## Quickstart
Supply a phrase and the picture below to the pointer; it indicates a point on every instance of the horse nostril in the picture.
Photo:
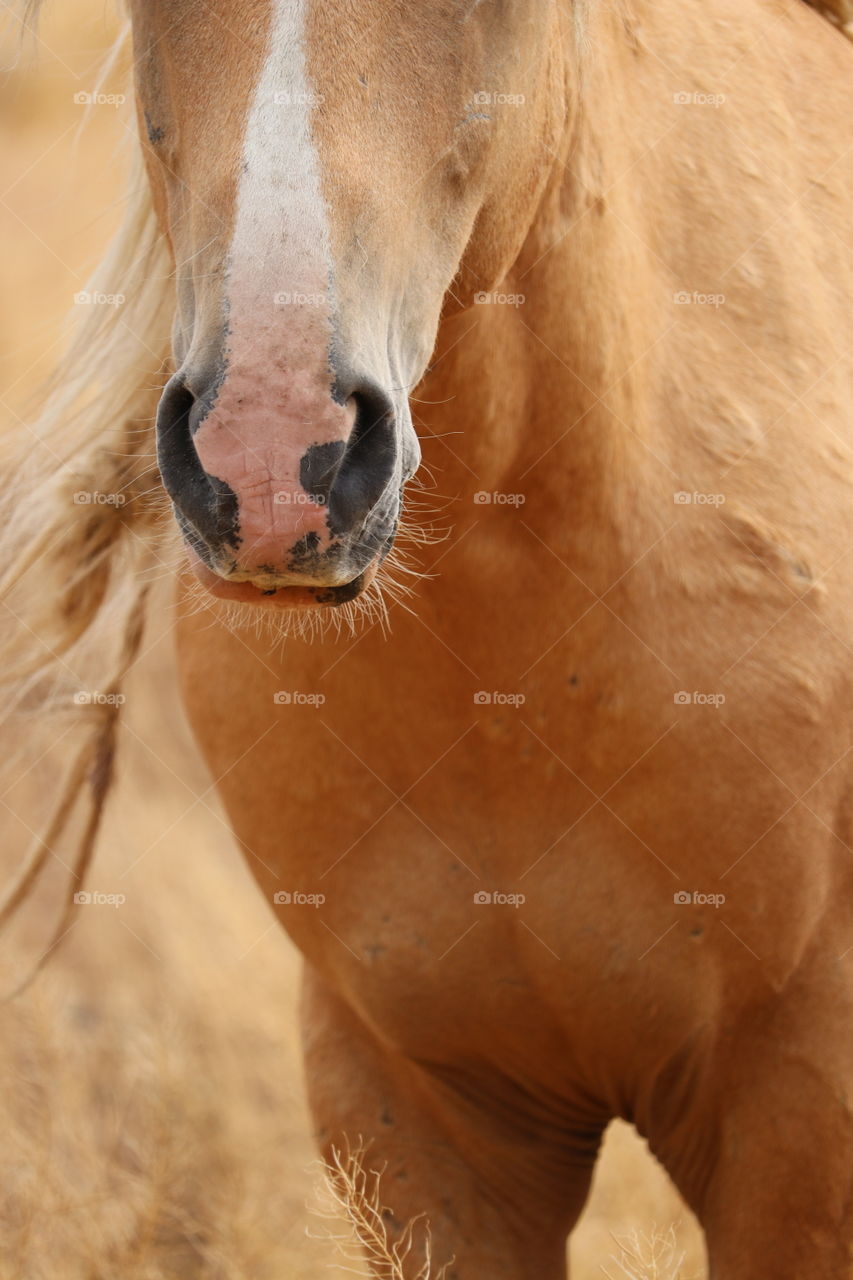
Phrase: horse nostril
(366, 463)
(207, 503)
(176, 405)
(175, 453)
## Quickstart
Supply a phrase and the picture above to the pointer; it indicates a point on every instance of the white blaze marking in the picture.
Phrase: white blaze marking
(281, 234)
(275, 401)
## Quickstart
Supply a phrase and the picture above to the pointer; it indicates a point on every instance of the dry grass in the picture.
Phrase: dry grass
(641, 1256)
(151, 1099)
(350, 1200)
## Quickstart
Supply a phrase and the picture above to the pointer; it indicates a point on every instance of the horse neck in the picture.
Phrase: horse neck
(546, 391)
(598, 397)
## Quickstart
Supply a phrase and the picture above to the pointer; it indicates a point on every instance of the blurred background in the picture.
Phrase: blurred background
(152, 1121)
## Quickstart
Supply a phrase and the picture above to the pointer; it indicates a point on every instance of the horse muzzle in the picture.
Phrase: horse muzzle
(292, 502)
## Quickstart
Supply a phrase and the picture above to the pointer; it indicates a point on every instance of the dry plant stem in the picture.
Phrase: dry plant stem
(352, 1192)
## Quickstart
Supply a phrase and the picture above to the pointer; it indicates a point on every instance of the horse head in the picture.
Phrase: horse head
(330, 176)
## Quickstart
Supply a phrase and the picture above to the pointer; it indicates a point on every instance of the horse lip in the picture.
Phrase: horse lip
(270, 581)
(269, 589)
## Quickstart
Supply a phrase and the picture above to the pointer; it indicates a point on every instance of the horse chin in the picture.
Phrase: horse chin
(287, 597)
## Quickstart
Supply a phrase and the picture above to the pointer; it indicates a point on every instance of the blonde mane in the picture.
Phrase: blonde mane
(85, 523)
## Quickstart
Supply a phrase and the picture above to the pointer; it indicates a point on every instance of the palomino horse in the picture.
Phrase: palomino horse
(573, 842)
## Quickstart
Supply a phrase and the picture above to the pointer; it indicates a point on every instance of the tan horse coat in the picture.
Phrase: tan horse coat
(625, 681)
